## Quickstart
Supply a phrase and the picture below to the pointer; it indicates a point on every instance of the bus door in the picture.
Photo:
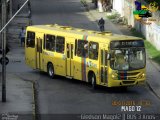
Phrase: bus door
(39, 39)
(69, 60)
(103, 66)
(30, 50)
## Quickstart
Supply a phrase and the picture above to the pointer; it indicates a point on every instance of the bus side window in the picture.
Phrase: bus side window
(75, 47)
(106, 55)
(60, 43)
(44, 43)
(82, 50)
(30, 39)
(50, 42)
(93, 50)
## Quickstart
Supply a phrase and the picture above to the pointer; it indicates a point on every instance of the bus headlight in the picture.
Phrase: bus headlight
(114, 76)
(142, 76)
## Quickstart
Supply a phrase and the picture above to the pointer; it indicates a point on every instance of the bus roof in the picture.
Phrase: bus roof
(70, 31)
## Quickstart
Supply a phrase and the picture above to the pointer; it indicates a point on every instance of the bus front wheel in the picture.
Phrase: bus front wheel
(50, 70)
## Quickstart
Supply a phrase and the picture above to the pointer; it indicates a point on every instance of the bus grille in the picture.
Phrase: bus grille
(128, 82)
(133, 74)
(128, 76)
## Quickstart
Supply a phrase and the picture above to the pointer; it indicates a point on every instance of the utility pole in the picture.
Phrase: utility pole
(3, 31)
(3, 52)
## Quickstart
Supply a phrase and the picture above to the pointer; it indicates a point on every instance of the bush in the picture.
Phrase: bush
(111, 16)
(154, 54)
(114, 15)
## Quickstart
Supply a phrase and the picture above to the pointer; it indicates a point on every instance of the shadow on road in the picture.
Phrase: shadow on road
(85, 85)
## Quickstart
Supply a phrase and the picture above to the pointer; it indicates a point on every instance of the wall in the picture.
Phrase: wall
(151, 32)
(128, 11)
(118, 5)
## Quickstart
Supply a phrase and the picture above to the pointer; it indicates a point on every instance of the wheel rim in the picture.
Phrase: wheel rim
(50, 71)
(93, 81)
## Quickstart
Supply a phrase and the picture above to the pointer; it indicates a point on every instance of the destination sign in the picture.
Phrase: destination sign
(126, 43)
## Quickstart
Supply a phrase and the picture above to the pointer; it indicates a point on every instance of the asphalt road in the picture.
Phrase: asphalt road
(65, 96)
(63, 12)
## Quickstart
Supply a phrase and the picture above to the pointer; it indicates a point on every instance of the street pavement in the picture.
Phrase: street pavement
(63, 96)
(19, 103)
(53, 13)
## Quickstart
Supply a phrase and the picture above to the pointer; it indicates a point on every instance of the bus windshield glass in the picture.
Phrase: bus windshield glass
(128, 58)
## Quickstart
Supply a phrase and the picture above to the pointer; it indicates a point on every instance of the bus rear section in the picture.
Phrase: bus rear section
(127, 63)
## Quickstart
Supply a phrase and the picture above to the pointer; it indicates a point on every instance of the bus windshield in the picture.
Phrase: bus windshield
(127, 59)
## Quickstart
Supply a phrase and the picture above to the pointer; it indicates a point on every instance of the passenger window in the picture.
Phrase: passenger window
(75, 52)
(44, 44)
(30, 39)
(60, 42)
(82, 50)
(106, 60)
(93, 50)
(50, 42)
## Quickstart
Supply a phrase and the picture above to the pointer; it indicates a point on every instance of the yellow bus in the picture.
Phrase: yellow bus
(100, 58)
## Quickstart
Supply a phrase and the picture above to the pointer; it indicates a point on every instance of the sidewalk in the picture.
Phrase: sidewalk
(153, 69)
(19, 93)
(19, 98)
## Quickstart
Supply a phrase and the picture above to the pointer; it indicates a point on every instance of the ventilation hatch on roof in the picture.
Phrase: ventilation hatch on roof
(104, 33)
(80, 30)
(90, 31)
(66, 27)
(52, 25)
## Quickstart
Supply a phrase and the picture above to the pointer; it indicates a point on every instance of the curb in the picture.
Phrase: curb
(90, 14)
(94, 19)
(152, 90)
(154, 64)
(35, 107)
(150, 87)
(35, 99)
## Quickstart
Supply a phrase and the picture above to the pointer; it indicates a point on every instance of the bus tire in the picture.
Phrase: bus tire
(50, 70)
(93, 80)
